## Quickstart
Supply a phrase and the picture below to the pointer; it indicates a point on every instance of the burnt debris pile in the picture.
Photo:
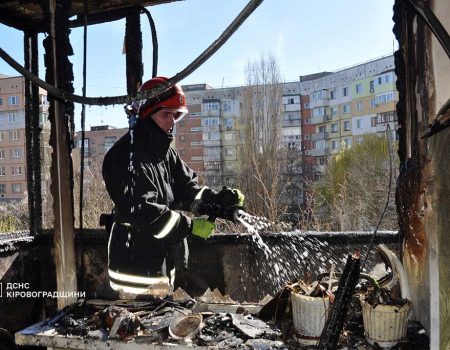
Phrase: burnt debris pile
(170, 321)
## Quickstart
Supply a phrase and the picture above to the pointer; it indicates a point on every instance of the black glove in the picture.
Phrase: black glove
(228, 197)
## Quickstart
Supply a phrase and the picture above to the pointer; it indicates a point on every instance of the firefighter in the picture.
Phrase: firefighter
(148, 183)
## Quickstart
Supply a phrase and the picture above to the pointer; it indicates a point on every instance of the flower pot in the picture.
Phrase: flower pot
(309, 314)
(385, 324)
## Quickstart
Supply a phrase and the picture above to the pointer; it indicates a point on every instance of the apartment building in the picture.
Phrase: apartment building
(208, 138)
(345, 105)
(13, 165)
(97, 142)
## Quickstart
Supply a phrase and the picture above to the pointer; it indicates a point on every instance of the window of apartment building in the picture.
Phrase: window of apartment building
(358, 123)
(13, 100)
(16, 153)
(2, 154)
(346, 108)
(1, 118)
(322, 161)
(12, 118)
(181, 124)
(347, 125)
(211, 106)
(334, 127)
(319, 144)
(211, 121)
(16, 170)
(348, 142)
(211, 136)
(373, 121)
(1, 101)
(371, 86)
(228, 137)
(334, 111)
(373, 103)
(2, 188)
(109, 142)
(229, 151)
(196, 129)
(14, 135)
(16, 188)
(380, 80)
(197, 158)
(359, 139)
(86, 143)
(306, 105)
(334, 144)
(384, 98)
(359, 88)
(2, 171)
(196, 143)
(332, 94)
(182, 138)
(228, 122)
(345, 91)
(359, 105)
(386, 117)
(318, 111)
(1, 136)
(183, 152)
(322, 129)
(211, 151)
(226, 106)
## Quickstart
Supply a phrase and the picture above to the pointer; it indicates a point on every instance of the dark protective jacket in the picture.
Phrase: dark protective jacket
(147, 181)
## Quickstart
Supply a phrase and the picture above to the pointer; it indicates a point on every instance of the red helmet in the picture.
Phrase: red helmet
(173, 98)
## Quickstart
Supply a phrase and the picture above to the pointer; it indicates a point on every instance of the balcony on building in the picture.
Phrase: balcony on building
(210, 108)
(318, 152)
(290, 123)
(320, 98)
(209, 113)
(319, 136)
(210, 128)
(211, 143)
(319, 120)
(294, 107)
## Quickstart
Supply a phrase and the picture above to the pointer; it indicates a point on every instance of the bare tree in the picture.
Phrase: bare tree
(95, 197)
(261, 158)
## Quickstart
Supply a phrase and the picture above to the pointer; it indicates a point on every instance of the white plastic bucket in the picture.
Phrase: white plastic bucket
(385, 324)
(310, 315)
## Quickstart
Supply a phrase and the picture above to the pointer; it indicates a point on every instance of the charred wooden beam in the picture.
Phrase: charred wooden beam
(59, 72)
(101, 17)
(32, 132)
(347, 283)
(28, 15)
(133, 47)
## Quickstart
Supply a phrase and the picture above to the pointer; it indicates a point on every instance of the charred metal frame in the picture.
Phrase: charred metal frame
(133, 46)
(59, 72)
(338, 311)
(32, 132)
(411, 181)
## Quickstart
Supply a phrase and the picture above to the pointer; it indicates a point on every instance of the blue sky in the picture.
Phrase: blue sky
(305, 36)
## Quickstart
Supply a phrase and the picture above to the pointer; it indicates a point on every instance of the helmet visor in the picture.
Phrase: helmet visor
(181, 112)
